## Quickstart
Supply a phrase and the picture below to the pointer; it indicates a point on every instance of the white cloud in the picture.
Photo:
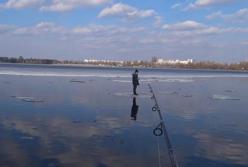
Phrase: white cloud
(96, 30)
(235, 30)
(18, 4)
(195, 31)
(239, 16)
(83, 30)
(192, 29)
(176, 5)
(41, 28)
(185, 25)
(106, 34)
(180, 29)
(188, 37)
(206, 3)
(158, 21)
(127, 11)
(172, 32)
(48, 28)
(66, 5)
(214, 15)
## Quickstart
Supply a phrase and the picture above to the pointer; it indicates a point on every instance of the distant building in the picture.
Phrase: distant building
(102, 61)
(162, 61)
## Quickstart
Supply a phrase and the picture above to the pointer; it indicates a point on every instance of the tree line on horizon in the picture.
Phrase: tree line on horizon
(195, 65)
(27, 61)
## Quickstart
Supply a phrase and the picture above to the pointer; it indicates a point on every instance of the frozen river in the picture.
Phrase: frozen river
(72, 116)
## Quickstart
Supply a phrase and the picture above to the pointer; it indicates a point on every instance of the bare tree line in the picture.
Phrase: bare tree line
(195, 65)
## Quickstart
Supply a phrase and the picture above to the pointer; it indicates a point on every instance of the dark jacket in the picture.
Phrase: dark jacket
(135, 79)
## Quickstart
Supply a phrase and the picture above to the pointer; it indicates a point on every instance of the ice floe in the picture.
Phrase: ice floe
(187, 95)
(122, 81)
(224, 97)
(77, 81)
(176, 80)
(27, 138)
(28, 99)
(129, 94)
(157, 80)
(163, 77)
(169, 93)
(229, 91)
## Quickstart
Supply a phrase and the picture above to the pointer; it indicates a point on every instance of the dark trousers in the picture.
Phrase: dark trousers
(134, 88)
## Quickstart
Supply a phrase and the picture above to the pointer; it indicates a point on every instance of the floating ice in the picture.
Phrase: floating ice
(59, 74)
(187, 95)
(166, 77)
(122, 81)
(223, 97)
(148, 80)
(169, 93)
(28, 99)
(229, 91)
(176, 80)
(27, 138)
(141, 80)
(157, 80)
(77, 81)
(76, 121)
(129, 94)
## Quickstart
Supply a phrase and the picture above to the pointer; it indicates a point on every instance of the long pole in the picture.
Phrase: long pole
(164, 130)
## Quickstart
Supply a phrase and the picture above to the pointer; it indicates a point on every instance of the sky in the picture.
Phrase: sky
(203, 30)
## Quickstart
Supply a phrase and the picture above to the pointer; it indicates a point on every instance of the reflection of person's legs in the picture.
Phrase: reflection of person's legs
(134, 110)
(134, 89)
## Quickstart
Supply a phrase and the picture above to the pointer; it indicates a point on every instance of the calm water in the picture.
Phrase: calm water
(61, 116)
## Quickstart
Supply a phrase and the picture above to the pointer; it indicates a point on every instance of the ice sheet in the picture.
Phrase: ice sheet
(129, 94)
(224, 97)
(28, 99)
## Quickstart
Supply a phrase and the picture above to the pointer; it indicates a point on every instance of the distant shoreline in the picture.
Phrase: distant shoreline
(154, 63)
(125, 67)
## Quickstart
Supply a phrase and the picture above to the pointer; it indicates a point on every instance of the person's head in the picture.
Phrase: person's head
(136, 71)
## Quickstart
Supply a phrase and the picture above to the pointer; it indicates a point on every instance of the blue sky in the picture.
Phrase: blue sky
(215, 30)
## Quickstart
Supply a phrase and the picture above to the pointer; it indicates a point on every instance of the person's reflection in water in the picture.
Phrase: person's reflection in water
(134, 110)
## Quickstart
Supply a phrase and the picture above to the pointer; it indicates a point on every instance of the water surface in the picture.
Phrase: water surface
(82, 117)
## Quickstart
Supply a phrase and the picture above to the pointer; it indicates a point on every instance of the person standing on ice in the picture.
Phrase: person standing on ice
(135, 79)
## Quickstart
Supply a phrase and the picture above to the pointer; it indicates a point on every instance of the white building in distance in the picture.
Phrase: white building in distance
(101, 61)
(162, 61)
